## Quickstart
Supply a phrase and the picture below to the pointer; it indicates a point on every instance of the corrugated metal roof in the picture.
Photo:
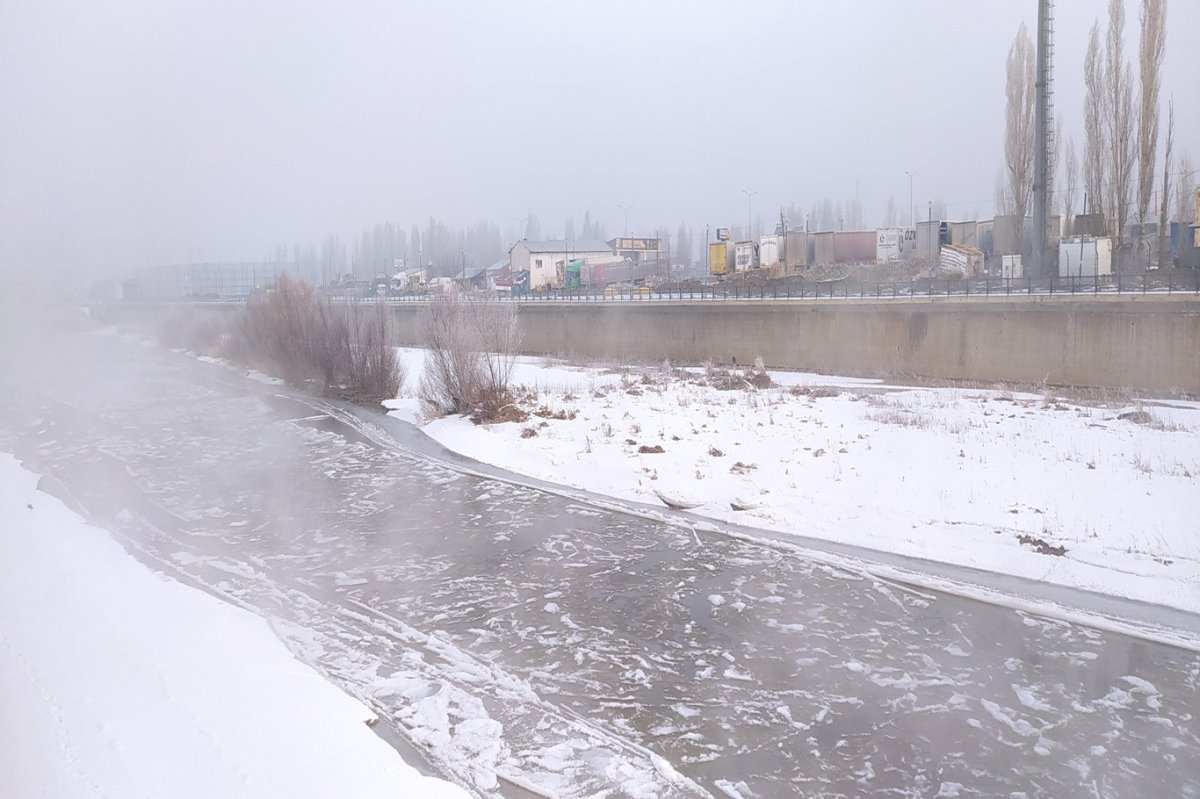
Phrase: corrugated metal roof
(559, 245)
(470, 273)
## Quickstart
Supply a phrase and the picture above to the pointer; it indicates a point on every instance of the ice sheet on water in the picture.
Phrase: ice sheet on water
(1018, 725)
(1029, 698)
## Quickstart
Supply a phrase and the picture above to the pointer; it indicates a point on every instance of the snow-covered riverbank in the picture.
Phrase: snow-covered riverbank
(120, 682)
(1086, 495)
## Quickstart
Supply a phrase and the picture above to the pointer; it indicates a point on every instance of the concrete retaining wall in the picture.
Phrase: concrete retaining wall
(1140, 343)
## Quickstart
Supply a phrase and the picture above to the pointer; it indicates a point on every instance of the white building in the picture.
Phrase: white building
(546, 261)
(1085, 256)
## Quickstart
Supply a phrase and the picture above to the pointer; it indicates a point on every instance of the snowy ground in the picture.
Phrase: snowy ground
(119, 682)
(987, 478)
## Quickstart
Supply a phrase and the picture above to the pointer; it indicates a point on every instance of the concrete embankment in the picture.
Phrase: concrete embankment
(1147, 343)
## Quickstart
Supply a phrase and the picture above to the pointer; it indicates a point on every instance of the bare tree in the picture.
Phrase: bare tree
(1095, 145)
(1150, 58)
(1071, 185)
(1122, 138)
(1184, 207)
(472, 348)
(1165, 201)
(1000, 190)
(1019, 123)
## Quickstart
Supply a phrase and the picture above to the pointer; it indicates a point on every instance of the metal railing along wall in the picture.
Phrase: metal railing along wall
(1173, 282)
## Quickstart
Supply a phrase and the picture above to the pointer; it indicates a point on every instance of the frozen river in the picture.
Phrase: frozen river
(522, 640)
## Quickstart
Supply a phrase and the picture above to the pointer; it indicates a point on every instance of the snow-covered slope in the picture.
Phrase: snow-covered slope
(115, 681)
(985, 478)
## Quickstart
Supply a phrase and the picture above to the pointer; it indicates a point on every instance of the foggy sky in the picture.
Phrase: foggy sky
(153, 131)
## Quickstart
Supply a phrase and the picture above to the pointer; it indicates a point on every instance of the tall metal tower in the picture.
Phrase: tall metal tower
(1043, 176)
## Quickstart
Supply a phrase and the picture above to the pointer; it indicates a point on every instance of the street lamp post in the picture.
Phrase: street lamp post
(626, 209)
(911, 218)
(931, 234)
(749, 212)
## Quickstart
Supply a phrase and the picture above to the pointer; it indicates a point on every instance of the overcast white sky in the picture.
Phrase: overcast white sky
(154, 131)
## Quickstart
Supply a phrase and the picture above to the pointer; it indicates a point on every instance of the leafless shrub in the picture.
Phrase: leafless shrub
(761, 380)
(328, 340)
(293, 332)
(1154, 422)
(715, 453)
(473, 348)
(654, 450)
(561, 415)
(275, 330)
(374, 371)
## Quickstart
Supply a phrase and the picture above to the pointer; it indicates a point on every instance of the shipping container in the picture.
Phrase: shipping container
(887, 245)
(854, 247)
(1085, 256)
(821, 248)
(768, 251)
(720, 258)
(745, 256)
(928, 240)
(964, 234)
(795, 250)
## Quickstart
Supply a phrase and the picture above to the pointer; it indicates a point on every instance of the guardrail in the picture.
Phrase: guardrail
(1172, 282)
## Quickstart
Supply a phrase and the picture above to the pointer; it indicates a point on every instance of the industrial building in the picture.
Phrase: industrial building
(546, 260)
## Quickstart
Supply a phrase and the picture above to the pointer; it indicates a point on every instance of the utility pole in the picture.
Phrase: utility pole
(931, 236)
(749, 213)
(707, 257)
(911, 217)
(1043, 135)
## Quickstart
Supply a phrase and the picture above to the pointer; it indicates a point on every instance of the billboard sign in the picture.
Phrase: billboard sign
(722, 234)
(638, 244)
